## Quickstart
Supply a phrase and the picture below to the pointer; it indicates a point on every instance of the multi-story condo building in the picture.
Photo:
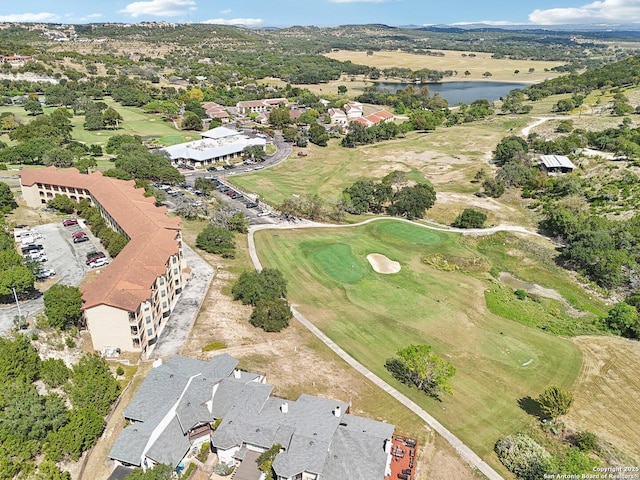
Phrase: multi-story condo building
(127, 305)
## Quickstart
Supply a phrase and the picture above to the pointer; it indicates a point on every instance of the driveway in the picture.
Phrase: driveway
(177, 327)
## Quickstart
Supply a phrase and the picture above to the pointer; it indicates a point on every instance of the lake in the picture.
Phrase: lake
(461, 92)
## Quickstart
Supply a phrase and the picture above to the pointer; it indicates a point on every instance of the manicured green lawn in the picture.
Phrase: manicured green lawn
(135, 122)
(372, 315)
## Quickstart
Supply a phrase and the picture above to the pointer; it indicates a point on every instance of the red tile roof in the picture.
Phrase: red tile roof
(129, 278)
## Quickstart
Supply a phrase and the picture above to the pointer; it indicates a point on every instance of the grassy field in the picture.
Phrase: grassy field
(370, 315)
(135, 122)
(449, 158)
(501, 69)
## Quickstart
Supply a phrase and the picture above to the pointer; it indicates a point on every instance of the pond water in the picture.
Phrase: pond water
(461, 92)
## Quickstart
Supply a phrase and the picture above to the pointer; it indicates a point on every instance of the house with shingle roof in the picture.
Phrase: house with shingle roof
(180, 400)
(127, 305)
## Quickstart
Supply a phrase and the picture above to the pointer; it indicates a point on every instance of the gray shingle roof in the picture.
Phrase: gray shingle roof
(160, 392)
(171, 446)
(314, 439)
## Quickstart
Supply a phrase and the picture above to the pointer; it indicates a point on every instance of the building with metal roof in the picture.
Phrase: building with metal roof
(219, 144)
(554, 164)
(176, 405)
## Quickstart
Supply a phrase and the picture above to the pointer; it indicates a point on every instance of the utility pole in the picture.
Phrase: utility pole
(15, 295)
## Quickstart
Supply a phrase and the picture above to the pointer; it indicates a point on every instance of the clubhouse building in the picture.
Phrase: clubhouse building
(220, 144)
(127, 305)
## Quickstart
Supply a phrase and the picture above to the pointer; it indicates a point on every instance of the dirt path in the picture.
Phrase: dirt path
(540, 120)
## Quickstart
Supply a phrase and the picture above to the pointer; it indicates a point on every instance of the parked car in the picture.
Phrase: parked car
(81, 239)
(264, 213)
(95, 256)
(70, 221)
(78, 234)
(45, 273)
(31, 248)
(303, 154)
(236, 195)
(99, 262)
(230, 192)
(252, 205)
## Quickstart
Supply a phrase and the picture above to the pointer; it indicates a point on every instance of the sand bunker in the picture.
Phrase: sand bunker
(382, 264)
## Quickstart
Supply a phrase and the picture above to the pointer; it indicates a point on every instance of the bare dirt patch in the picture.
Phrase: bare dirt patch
(607, 391)
(382, 264)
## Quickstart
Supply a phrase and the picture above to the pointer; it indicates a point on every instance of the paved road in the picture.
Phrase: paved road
(465, 452)
(179, 323)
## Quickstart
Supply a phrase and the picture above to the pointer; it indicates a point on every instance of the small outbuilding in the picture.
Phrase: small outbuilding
(555, 164)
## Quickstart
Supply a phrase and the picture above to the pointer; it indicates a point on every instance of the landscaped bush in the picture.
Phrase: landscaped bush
(523, 456)
(470, 218)
(217, 240)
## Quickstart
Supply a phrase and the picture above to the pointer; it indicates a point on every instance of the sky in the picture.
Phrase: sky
(282, 13)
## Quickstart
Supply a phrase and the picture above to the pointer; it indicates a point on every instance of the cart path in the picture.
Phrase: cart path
(464, 451)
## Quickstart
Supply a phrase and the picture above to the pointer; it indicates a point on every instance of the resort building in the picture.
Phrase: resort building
(220, 144)
(184, 402)
(260, 106)
(127, 305)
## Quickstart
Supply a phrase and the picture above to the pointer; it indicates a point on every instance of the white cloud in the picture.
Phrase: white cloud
(249, 22)
(29, 17)
(605, 11)
(226, 11)
(160, 8)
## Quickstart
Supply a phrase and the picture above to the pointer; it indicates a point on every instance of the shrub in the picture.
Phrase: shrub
(217, 240)
(470, 218)
(271, 315)
(523, 456)
(586, 441)
(520, 294)
(119, 371)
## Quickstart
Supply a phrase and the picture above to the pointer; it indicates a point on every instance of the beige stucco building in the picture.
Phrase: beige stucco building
(127, 305)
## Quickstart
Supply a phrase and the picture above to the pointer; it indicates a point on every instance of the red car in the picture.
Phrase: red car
(78, 235)
(70, 221)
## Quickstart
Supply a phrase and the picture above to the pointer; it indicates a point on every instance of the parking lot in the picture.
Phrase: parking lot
(66, 258)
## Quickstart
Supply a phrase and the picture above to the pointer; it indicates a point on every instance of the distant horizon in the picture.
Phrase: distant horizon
(331, 13)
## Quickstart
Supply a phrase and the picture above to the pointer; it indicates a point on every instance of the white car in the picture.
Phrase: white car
(100, 262)
(264, 213)
(45, 273)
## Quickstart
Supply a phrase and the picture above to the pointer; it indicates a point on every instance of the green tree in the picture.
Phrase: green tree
(19, 277)
(92, 385)
(159, 472)
(191, 121)
(111, 118)
(252, 286)
(419, 366)
(493, 187)
(7, 200)
(555, 401)
(62, 203)
(58, 157)
(33, 107)
(623, 319)
(238, 223)
(342, 89)
(19, 360)
(279, 117)
(470, 218)
(48, 470)
(77, 436)
(523, 456)
(271, 315)
(318, 135)
(63, 306)
(424, 119)
(412, 202)
(217, 240)
(54, 372)
(509, 148)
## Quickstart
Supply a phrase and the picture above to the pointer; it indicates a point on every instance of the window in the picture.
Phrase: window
(164, 304)
(163, 293)
(148, 319)
(149, 332)
(175, 271)
(175, 260)
(161, 280)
